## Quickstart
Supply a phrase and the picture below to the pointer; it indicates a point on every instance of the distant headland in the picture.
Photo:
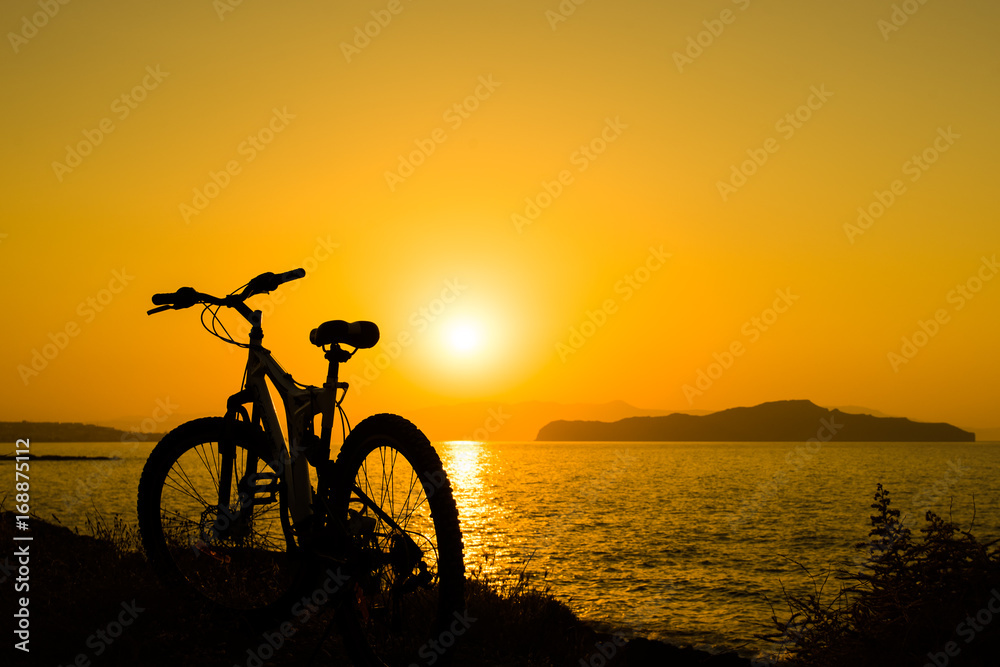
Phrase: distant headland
(70, 432)
(778, 421)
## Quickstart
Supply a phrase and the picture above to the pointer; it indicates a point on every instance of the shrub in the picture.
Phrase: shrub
(915, 601)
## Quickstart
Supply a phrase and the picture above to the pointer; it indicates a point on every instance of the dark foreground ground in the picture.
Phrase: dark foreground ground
(82, 588)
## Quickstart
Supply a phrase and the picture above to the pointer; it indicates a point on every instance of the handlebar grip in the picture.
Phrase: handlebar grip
(268, 282)
(294, 274)
(263, 283)
(185, 297)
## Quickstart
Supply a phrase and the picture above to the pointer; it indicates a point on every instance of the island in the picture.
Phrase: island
(776, 421)
(70, 432)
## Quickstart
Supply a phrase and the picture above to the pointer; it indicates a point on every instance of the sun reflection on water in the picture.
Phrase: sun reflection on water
(464, 464)
(476, 473)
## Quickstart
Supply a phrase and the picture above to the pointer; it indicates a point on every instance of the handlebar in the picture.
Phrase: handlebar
(186, 297)
(267, 282)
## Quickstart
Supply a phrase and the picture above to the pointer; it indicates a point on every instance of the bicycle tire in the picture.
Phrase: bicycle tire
(382, 623)
(234, 559)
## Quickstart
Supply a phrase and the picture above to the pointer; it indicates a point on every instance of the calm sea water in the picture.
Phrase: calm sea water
(677, 541)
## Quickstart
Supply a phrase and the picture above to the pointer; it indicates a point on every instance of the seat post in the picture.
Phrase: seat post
(335, 355)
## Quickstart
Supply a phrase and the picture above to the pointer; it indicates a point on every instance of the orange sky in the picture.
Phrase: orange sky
(652, 176)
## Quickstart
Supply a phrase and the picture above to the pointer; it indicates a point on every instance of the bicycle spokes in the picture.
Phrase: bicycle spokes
(221, 521)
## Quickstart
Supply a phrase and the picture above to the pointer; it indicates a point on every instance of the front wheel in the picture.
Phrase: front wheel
(394, 502)
(210, 515)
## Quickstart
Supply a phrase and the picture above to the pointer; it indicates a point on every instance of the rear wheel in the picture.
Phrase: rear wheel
(229, 547)
(394, 503)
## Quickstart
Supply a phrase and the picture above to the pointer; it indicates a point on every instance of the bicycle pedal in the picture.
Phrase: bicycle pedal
(270, 487)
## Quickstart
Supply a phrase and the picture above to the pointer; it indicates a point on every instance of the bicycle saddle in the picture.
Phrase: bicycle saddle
(361, 335)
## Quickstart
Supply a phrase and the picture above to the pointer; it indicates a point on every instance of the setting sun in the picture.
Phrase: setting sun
(464, 337)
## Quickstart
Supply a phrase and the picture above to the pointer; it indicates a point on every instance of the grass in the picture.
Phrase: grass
(915, 601)
(520, 620)
(80, 582)
(123, 537)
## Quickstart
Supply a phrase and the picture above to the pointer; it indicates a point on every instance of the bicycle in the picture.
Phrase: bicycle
(227, 506)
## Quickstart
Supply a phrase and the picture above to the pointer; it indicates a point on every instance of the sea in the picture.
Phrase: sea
(690, 543)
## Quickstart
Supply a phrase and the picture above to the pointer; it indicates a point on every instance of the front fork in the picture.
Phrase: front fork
(249, 487)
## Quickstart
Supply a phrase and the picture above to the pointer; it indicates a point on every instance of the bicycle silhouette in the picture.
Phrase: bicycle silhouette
(232, 511)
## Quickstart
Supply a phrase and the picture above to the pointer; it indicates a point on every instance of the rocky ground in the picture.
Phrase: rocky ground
(95, 601)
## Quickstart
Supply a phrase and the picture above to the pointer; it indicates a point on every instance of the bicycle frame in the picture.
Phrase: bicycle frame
(302, 404)
(230, 508)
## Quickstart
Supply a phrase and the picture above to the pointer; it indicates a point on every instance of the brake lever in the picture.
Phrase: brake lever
(158, 310)
(265, 283)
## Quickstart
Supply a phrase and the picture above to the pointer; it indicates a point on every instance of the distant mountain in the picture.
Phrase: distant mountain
(858, 410)
(779, 421)
(69, 432)
(982, 434)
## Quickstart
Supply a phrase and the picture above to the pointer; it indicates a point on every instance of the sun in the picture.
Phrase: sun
(464, 337)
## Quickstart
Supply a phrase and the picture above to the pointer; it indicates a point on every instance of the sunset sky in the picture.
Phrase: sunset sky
(548, 201)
